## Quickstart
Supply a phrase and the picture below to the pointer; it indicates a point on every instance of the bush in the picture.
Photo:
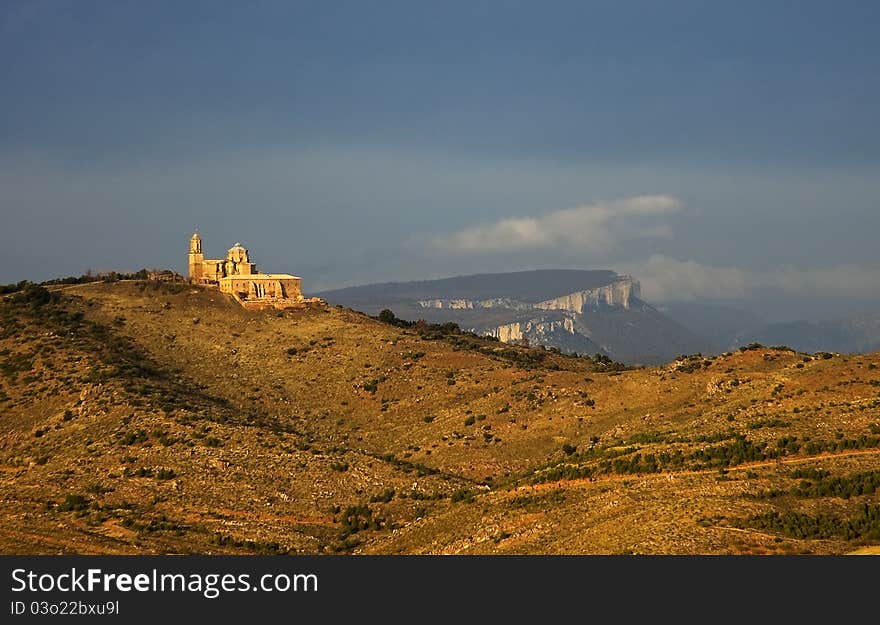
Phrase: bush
(359, 518)
(462, 495)
(134, 437)
(74, 503)
(383, 497)
(34, 296)
(751, 347)
(373, 385)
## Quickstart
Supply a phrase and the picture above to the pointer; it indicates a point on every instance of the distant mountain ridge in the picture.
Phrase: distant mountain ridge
(857, 335)
(730, 328)
(573, 310)
(527, 286)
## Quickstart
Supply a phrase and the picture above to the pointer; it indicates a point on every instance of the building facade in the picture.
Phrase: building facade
(239, 277)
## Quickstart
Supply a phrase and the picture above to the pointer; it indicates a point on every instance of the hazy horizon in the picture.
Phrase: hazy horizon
(720, 154)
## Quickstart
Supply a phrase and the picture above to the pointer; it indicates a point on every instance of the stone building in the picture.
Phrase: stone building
(238, 276)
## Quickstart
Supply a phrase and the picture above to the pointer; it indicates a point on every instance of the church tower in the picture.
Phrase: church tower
(196, 258)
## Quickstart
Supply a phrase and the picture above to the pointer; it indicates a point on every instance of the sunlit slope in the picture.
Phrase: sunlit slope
(141, 418)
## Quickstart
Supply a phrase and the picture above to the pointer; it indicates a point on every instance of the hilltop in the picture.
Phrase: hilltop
(145, 417)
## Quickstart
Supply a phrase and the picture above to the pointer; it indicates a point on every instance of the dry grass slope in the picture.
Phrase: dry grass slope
(140, 417)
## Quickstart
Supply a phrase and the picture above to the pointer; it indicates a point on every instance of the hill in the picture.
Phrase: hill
(575, 311)
(142, 417)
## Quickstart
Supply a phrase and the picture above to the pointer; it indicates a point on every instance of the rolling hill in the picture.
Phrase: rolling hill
(143, 417)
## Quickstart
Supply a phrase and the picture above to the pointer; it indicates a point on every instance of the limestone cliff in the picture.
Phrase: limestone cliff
(621, 292)
(532, 328)
(467, 304)
(582, 311)
(618, 293)
(550, 330)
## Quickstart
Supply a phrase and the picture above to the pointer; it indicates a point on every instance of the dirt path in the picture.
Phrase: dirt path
(212, 515)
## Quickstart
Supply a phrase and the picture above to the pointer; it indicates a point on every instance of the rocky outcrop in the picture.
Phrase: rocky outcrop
(610, 318)
(532, 329)
(572, 310)
(620, 293)
(507, 333)
(466, 304)
(561, 333)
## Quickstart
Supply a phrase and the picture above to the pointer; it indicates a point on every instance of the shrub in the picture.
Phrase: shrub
(358, 518)
(462, 495)
(751, 347)
(74, 503)
(134, 437)
(383, 497)
(165, 474)
(373, 385)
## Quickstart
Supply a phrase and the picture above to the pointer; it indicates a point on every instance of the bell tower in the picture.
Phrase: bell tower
(196, 258)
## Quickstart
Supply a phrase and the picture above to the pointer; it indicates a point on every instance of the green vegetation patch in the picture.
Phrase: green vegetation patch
(817, 483)
(865, 525)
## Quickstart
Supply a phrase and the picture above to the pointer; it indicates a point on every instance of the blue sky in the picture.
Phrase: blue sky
(351, 142)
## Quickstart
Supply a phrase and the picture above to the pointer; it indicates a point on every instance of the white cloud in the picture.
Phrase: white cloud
(592, 228)
(668, 279)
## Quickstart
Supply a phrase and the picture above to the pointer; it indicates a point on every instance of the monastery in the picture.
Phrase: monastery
(238, 276)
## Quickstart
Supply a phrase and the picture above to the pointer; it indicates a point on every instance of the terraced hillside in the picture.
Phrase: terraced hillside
(140, 417)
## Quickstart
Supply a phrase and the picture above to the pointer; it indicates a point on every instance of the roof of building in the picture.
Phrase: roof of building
(262, 276)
